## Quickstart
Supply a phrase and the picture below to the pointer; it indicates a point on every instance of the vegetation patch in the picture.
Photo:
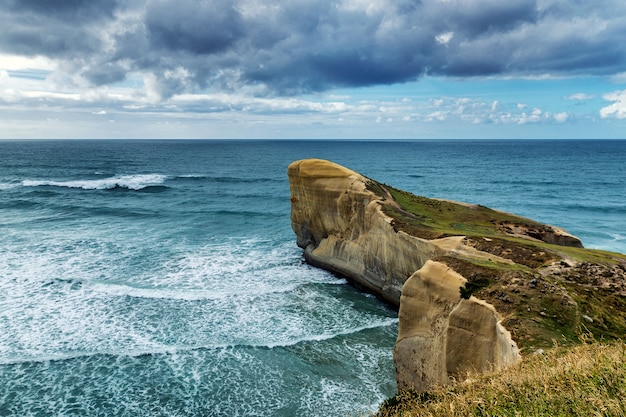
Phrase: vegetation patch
(585, 380)
(521, 253)
(447, 218)
(478, 276)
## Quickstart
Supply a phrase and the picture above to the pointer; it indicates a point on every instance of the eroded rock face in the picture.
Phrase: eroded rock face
(441, 334)
(420, 353)
(341, 226)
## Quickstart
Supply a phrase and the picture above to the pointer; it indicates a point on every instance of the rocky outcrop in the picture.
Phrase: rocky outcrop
(542, 233)
(340, 225)
(453, 269)
(441, 334)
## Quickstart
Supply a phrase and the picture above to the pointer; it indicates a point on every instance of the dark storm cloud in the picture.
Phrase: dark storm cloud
(53, 28)
(289, 47)
(192, 26)
(63, 8)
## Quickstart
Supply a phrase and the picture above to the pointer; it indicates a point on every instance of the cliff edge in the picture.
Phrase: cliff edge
(472, 284)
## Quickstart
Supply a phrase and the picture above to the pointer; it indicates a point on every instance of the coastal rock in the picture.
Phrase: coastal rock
(543, 233)
(441, 334)
(340, 225)
(471, 283)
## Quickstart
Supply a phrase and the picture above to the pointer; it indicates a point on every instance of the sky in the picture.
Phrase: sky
(344, 69)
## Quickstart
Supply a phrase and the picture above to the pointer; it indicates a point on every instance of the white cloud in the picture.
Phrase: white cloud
(619, 78)
(437, 102)
(533, 117)
(444, 38)
(561, 117)
(17, 63)
(618, 108)
(151, 88)
(437, 115)
(368, 6)
(466, 110)
(579, 96)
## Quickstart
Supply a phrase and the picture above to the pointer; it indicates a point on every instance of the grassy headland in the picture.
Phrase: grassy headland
(547, 294)
(544, 291)
(585, 380)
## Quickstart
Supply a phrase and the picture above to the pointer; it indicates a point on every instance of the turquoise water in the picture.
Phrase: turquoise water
(161, 278)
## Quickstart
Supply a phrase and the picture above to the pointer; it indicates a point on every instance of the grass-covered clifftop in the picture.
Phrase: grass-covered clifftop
(585, 380)
(541, 280)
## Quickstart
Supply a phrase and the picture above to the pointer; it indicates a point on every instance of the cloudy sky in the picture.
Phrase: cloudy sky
(312, 69)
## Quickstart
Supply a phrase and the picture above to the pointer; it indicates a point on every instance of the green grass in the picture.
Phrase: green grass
(585, 380)
(447, 218)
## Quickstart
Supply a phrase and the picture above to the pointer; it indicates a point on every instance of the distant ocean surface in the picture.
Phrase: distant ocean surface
(162, 278)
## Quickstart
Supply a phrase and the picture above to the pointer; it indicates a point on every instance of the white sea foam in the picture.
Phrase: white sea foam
(239, 292)
(131, 182)
(331, 335)
(187, 294)
(154, 348)
(7, 186)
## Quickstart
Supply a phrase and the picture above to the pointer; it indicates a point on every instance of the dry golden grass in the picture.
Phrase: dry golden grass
(585, 380)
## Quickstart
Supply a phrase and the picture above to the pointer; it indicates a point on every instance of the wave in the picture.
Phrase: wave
(191, 294)
(184, 294)
(128, 353)
(181, 349)
(130, 182)
(595, 208)
(328, 336)
(225, 179)
(7, 185)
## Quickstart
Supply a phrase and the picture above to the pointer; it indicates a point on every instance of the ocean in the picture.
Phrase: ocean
(162, 278)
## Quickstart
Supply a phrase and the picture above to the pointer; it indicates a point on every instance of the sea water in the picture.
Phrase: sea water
(162, 278)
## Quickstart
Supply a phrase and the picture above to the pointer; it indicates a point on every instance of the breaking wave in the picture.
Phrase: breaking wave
(130, 182)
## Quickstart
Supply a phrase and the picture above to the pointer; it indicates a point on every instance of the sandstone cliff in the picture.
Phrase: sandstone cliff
(340, 225)
(471, 283)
